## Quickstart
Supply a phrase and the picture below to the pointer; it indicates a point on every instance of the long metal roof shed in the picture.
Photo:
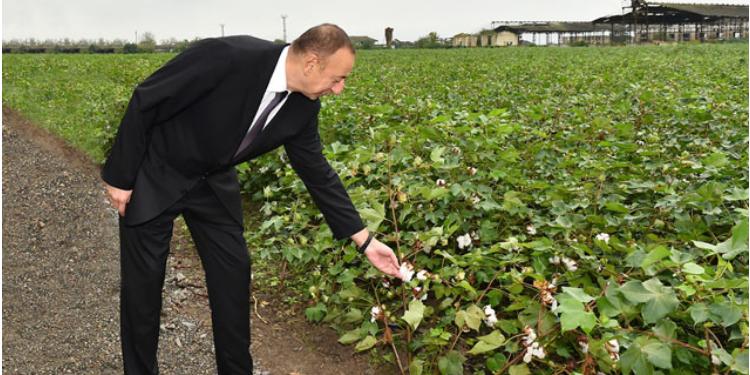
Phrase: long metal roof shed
(552, 27)
(674, 13)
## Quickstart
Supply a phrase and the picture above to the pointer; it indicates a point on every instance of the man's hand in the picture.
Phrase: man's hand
(380, 255)
(118, 198)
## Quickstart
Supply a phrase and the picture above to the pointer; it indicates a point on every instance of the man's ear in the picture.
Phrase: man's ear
(312, 61)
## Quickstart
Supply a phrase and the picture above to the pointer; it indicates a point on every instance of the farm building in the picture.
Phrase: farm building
(362, 41)
(651, 22)
(510, 34)
(558, 32)
(487, 38)
(672, 22)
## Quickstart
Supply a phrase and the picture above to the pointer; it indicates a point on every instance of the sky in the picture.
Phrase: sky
(189, 19)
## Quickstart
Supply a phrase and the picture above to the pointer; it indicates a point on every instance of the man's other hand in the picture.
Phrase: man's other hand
(382, 257)
(118, 198)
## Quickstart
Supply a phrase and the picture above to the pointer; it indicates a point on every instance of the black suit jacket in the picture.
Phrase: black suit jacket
(185, 122)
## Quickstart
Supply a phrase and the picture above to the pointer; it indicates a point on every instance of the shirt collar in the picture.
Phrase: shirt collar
(278, 78)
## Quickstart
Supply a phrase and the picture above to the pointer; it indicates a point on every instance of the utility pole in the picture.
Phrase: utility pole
(222, 29)
(136, 37)
(283, 21)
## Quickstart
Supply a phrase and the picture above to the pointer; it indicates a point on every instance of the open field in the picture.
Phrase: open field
(589, 194)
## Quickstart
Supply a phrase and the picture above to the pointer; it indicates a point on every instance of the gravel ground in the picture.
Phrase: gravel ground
(60, 270)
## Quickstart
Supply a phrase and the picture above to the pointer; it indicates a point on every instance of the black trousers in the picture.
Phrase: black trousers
(226, 263)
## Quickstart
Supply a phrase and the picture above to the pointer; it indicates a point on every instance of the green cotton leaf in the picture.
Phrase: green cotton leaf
(656, 254)
(372, 217)
(635, 258)
(471, 317)
(659, 354)
(717, 160)
(316, 313)
(437, 155)
(494, 338)
(723, 355)
(416, 366)
(474, 316)
(737, 194)
(351, 337)
(451, 364)
(634, 360)
(366, 343)
(353, 315)
(414, 314)
(573, 314)
(733, 246)
(468, 288)
(737, 244)
(616, 207)
(460, 319)
(704, 246)
(726, 313)
(488, 343)
(496, 362)
(740, 361)
(687, 289)
(739, 283)
(665, 329)
(663, 302)
(692, 268)
(660, 300)
(578, 294)
(521, 369)
(512, 203)
(699, 312)
(634, 291)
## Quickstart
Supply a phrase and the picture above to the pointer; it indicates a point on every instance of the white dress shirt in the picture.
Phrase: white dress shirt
(275, 85)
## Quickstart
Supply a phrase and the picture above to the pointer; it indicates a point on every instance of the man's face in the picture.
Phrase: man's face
(326, 76)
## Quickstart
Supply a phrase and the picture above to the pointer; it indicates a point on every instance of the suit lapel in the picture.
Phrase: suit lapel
(286, 123)
(255, 90)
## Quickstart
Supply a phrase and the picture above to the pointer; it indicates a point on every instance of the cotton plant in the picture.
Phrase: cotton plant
(375, 313)
(547, 291)
(603, 237)
(489, 316)
(613, 348)
(406, 271)
(570, 264)
(533, 348)
(464, 241)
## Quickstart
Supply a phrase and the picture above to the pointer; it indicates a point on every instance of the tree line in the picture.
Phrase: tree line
(146, 44)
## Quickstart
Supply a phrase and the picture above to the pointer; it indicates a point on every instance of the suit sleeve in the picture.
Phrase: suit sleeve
(305, 153)
(173, 87)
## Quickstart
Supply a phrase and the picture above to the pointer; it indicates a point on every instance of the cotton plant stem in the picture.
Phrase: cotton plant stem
(673, 341)
(393, 347)
(708, 349)
(385, 322)
(398, 249)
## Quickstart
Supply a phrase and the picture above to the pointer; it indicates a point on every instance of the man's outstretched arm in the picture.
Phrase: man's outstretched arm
(305, 153)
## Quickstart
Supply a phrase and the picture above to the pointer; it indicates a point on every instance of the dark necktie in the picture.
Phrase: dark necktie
(260, 122)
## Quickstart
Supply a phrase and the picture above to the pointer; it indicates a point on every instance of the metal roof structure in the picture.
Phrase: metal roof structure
(674, 13)
(552, 27)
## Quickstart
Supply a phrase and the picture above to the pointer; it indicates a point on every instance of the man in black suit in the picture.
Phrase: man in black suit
(221, 102)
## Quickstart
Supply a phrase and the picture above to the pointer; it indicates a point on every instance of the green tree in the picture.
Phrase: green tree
(147, 43)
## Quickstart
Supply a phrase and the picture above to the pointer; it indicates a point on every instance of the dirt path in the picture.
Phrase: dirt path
(60, 273)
